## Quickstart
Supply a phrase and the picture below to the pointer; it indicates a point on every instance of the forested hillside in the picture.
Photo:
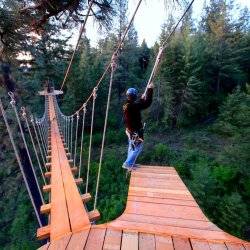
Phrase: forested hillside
(199, 121)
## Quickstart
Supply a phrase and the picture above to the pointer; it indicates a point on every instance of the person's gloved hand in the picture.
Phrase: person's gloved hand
(151, 85)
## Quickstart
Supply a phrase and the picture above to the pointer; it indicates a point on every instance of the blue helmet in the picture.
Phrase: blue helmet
(132, 92)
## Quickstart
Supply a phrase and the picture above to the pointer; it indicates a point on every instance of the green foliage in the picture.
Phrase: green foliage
(114, 136)
(234, 117)
(233, 213)
(23, 226)
(113, 186)
(202, 80)
(162, 153)
(202, 66)
(224, 174)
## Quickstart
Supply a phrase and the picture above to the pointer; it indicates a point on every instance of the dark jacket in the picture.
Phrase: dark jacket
(132, 113)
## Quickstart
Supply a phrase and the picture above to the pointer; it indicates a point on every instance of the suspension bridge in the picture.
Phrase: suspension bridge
(160, 212)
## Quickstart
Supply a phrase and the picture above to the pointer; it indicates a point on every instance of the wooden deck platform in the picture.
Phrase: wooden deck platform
(160, 213)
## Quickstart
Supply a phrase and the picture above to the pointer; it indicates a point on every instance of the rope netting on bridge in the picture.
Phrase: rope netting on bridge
(33, 133)
(36, 132)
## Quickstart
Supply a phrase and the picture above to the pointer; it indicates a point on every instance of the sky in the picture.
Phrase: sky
(149, 19)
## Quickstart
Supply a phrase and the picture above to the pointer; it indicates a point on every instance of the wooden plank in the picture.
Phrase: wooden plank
(77, 213)
(60, 243)
(146, 241)
(173, 230)
(199, 245)
(78, 240)
(157, 183)
(74, 170)
(156, 200)
(129, 241)
(155, 170)
(78, 181)
(163, 243)
(149, 167)
(48, 158)
(152, 193)
(234, 246)
(43, 232)
(46, 188)
(181, 243)
(48, 164)
(94, 215)
(169, 185)
(95, 239)
(247, 246)
(112, 240)
(159, 167)
(177, 222)
(157, 176)
(165, 210)
(59, 213)
(47, 175)
(217, 246)
(160, 190)
(45, 209)
(86, 197)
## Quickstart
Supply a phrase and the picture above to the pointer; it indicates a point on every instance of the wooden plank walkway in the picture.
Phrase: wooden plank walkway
(68, 214)
(162, 204)
(160, 214)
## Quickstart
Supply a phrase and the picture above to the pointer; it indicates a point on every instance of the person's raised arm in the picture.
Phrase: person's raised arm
(146, 100)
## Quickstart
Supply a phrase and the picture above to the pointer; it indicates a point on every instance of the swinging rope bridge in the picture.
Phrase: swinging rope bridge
(160, 212)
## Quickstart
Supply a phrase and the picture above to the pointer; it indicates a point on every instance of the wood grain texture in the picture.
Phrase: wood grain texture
(177, 222)
(112, 240)
(67, 212)
(59, 213)
(156, 200)
(199, 245)
(181, 243)
(146, 241)
(130, 241)
(61, 243)
(217, 246)
(95, 239)
(247, 246)
(234, 246)
(78, 240)
(163, 243)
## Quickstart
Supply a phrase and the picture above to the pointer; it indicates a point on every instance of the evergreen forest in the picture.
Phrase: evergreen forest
(199, 121)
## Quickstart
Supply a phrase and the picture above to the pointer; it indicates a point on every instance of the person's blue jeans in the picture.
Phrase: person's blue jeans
(133, 153)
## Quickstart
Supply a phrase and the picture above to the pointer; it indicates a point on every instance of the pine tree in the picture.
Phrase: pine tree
(223, 72)
(181, 71)
(233, 214)
(144, 57)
